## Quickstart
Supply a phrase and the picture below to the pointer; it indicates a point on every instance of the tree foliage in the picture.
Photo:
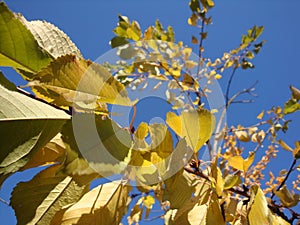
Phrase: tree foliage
(65, 126)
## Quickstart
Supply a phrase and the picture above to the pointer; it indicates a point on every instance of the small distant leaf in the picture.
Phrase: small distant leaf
(196, 126)
(194, 40)
(291, 106)
(118, 41)
(295, 92)
(261, 115)
(243, 135)
(296, 152)
(285, 146)
(194, 5)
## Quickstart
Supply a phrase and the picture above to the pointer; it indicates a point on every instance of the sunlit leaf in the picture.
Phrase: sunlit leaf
(196, 126)
(242, 135)
(105, 147)
(105, 204)
(259, 212)
(286, 197)
(50, 38)
(291, 106)
(18, 47)
(44, 195)
(285, 146)
(69, 81)
(239, 163)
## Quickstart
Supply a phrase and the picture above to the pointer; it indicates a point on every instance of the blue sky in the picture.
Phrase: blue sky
(89, 24)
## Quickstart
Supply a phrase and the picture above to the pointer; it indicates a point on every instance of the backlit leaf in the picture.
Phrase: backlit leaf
(196, 126)
(44, 195)
(98, 141)
(105, 204)
(69, 81)
(259, 212)
(50, 38)
(18, 47)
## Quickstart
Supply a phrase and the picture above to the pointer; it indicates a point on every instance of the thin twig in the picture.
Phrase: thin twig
(4, 201)
(286, 177)
(228, 86)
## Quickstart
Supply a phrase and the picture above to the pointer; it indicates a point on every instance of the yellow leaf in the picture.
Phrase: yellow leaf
(248, 162)
(242, 135)
(149, 201)
(286, 197)
(285, 146)
(239, 163)
(261, 115)
(69, 81)
(142, 131)
(196, 126)
(105, 204)
(259, 212)
(218, 76)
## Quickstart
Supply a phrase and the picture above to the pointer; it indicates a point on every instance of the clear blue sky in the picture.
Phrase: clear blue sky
(89, 24)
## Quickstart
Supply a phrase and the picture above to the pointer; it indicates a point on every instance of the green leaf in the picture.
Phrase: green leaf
(195, 6)
(291, 106)
(118, 41)
(105, 204)
(18, 47)
(50, 38)
(44, 195)
(196, 126)
(26, 125)
(98, 144)
(231, 180)
(69, 81)
(179, 189)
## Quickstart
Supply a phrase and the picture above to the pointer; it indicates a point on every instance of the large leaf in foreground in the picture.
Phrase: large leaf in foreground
(196, 126)
(69, 81)
(260, 212)
(105, 146)
(18, 47)
(37, 201)
(105, 204)
(26, 125)
(50, 38)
